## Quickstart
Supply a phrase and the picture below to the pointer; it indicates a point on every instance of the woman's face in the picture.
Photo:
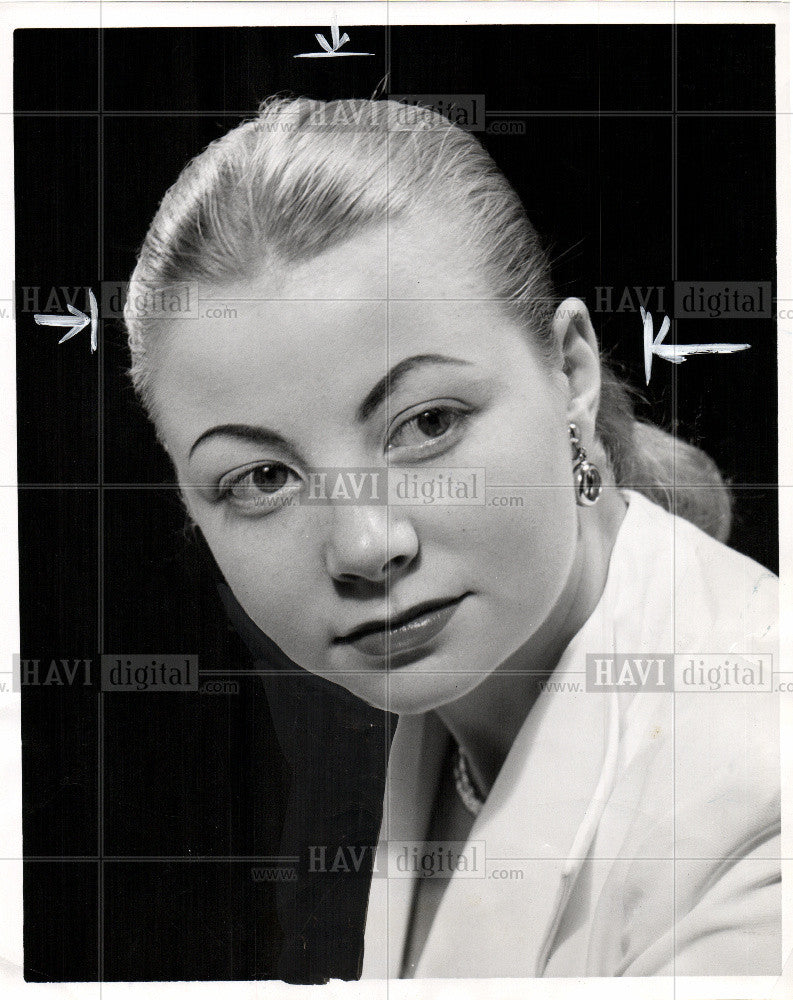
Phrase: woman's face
(256, 405)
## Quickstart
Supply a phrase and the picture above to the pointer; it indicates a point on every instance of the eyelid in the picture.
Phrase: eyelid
(229, 479)
(253, 506)
(445, 402)
(463, 412)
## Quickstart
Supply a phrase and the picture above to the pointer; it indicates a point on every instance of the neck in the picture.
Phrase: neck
(486, 721)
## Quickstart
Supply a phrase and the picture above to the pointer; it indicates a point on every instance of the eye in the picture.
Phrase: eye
(431, 428)
(259, 489)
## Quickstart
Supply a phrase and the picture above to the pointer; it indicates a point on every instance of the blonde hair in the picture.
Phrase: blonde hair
(304, 175)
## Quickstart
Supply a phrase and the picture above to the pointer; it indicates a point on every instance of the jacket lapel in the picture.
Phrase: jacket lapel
(413, 771)
(502, 924)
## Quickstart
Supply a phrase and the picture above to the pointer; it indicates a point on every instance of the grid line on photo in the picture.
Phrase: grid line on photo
(674, 253)
(580, 113)
(386, 819)
(749, 487)
(234, 858)
(100, 703)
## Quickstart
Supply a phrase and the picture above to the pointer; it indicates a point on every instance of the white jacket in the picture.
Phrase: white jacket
(644, 826)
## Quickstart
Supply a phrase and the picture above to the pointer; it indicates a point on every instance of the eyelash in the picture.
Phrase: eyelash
(235, 480)
(460, 417)
(231, 481)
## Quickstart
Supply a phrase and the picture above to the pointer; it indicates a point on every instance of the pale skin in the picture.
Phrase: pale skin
(306, 348)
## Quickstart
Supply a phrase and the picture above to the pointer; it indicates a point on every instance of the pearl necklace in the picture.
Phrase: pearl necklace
(466, 789)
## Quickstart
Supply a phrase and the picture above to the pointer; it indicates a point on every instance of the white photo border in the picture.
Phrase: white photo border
(149, 13)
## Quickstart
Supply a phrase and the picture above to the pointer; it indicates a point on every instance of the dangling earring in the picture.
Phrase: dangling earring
(587, 476)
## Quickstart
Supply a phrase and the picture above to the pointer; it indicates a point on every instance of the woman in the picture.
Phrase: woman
(394, 323)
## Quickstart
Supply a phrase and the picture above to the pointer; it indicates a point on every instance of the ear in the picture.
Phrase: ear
(575, 337)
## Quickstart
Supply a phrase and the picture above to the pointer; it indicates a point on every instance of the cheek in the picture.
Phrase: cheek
(527, 531)
(274, 581)
(539, 546)
(524, 440)
(527, 539)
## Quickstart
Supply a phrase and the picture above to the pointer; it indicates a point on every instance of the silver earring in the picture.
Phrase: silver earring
(588, 482)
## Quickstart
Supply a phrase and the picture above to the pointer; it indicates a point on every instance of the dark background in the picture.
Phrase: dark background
(648, 156)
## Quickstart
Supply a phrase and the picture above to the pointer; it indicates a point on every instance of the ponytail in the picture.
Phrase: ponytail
(676, 475)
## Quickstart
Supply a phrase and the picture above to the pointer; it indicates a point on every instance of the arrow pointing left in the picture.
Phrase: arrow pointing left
(676, 353)
(77, 321)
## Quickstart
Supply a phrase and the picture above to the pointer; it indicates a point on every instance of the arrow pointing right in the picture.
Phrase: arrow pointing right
(77, 321)
(44, 319)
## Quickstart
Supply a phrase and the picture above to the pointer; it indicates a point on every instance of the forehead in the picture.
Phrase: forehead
(326, 329)
(419, 256)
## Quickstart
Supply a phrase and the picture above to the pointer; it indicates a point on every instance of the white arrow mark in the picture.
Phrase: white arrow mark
(331, 50)
(676, 353)
(77, 321)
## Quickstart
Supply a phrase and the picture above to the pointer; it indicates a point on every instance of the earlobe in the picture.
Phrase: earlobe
(580, 351)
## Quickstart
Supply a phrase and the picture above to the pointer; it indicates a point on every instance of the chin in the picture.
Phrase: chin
(413, 691)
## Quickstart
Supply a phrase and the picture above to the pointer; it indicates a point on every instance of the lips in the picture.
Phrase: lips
(410, 630)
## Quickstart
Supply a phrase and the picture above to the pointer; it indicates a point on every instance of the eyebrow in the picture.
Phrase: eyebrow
(381, 391)
(246, 432)
(392, 379)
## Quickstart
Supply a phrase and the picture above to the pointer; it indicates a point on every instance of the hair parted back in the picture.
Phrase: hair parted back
(305, 175)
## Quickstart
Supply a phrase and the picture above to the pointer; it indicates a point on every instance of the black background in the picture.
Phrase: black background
(648, 156)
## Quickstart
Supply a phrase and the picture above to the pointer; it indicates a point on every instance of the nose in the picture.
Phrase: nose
(369, 543)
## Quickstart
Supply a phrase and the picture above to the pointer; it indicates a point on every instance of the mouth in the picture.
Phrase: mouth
(408, 630)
